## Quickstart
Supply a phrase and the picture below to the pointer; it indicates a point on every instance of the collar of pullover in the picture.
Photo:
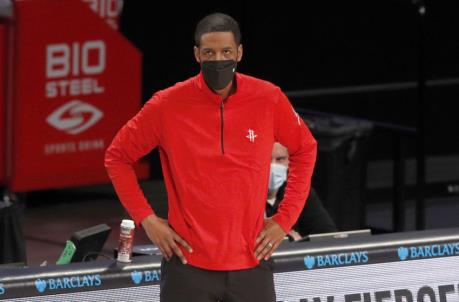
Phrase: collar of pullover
(202, 86)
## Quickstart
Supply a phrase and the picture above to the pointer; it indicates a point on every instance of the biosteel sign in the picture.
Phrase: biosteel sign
(76, 82)
(109, 10)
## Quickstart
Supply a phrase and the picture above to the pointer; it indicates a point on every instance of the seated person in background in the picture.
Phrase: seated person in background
(314, 219)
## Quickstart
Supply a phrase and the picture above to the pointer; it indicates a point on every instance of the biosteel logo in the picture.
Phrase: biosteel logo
(107, 9)
(74, 117)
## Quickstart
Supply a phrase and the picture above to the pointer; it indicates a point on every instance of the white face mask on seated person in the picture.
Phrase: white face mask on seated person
(277, 177)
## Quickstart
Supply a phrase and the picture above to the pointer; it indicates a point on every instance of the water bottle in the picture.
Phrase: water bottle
(126, 240)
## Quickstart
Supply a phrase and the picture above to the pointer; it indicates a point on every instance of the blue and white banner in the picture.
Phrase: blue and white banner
(425, 280)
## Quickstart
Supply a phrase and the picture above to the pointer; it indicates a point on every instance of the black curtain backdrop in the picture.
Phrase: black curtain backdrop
(319, 44)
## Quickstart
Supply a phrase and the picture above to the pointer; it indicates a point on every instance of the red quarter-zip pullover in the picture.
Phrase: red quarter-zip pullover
(215, 155)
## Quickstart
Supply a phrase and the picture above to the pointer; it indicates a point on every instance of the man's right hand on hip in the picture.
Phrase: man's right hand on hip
(164, 237)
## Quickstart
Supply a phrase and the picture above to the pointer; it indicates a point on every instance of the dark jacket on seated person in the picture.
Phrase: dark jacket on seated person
(314, 219)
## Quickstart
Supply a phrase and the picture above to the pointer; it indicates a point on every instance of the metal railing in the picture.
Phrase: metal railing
(399, 132)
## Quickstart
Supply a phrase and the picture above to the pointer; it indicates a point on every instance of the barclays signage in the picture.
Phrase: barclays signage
(72, 282)
(428, 251)
(145, 276)
(332, 260)
(2, 289)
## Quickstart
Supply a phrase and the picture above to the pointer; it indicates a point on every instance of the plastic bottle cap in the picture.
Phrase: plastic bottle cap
(126, 223)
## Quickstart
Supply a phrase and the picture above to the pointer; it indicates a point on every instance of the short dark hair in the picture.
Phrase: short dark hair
(217, 22)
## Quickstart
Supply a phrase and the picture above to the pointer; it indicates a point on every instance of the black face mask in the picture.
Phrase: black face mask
(218, 74)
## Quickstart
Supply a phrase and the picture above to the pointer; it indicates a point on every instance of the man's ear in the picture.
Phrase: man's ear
(239, 52)
(196, 54)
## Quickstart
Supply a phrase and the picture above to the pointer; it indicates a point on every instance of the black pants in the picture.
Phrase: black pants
(181, 283)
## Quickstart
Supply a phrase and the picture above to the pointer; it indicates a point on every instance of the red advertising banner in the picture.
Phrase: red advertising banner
(109, 10)
(76, 82)
(3, 42)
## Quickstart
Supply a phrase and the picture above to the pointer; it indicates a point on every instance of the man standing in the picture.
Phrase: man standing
(215, 133)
